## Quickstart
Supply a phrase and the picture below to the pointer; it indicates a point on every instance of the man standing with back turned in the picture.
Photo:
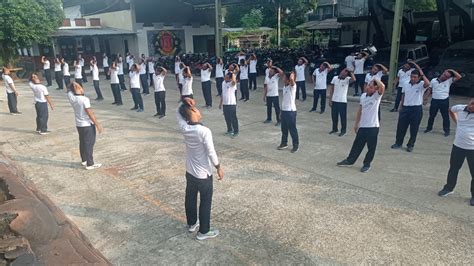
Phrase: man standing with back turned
(200, 157)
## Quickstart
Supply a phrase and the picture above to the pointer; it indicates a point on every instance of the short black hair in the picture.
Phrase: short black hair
(416, 72)
(184, 110)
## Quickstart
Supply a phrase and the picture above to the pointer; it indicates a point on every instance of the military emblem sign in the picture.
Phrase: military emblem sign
(166, 43)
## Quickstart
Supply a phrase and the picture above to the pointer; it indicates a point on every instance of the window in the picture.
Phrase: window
(424, 52)
(418, 53)
(411, 55)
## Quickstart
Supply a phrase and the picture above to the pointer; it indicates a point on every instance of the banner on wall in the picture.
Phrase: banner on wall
(166, 42)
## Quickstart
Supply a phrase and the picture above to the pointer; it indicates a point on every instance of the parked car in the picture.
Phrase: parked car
(460, 57)
(415, 52)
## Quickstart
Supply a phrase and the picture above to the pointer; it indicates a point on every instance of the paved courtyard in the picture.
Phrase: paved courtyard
(272, 207)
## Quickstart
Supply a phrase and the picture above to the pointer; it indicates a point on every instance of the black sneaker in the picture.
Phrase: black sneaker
(312, 110)
(157, 114)
(344, 162)
(332, 132)
(321, 112)
(409, 148)
(267, 121)
(342, 133)
(427, 130)
(446, 134)
(278, 124)
(295, 149)
(445, 192)
(365, 169)
(393, 110)
(282, 147)
(134, 108)
(472, 201)
(396, 146)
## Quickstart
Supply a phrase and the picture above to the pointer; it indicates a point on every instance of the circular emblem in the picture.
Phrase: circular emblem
(166, 43)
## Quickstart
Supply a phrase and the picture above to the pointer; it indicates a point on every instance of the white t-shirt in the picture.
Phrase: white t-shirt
(340, 89)
(299, 69)
(219, 71)
(39, 92)
(158, 82)
(105, 61)
(464, 138)
(359, 66)
(253, 66)
(114, 76)
(180, 76)
(240, 58)
(187, 86)
(289, 96)
(80, 103)
(57, 67)
(120, 68)
(369, 77)
(350, 59)
(370, 110)
(151, 67)
(413, 93)
(8, 80)
(78, 72)
(404, 77)
(267, 72)
(205, 75)
(81, 62)
(272, 85)
(95, 72)
(321, 79)
(142, 69)
(46, 64)
(134, 80)
(244, 72)
(441, 89)
(176, 67)
(228, 93)
(66, 69)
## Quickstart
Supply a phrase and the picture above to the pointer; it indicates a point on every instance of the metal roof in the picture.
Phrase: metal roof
(327, 24)
(73, 32)
(241, 29)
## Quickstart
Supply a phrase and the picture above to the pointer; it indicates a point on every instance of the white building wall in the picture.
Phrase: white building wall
(119, 19)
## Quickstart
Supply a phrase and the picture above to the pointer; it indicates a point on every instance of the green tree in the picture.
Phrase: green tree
(421, 5)
(24, 22)
(252, 20)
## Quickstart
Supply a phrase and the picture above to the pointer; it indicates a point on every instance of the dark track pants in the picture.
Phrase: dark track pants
(316, 95)
(288, 124)
(275, 102)
(301, 85)
(137, 98)
(12, 102)
(443, 107)
(160, 102)
(410, 116)
(41, 116)
(206, 92)
(230, 116)
(204, 187)
(365, 135)
(87, 137)
(339, 110)
(458, 155)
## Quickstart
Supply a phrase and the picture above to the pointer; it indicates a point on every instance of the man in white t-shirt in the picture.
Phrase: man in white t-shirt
(376, 72)
(160, 91)
(86, 124)
(463, 147)
(300, 78)
(403, 77)
(41, 99)
(82, 63)
(151, 69)
(252, 62)
(338, 100)
(120, 72)
(359, 62)
(105, 65)
(228, 104)
(95, 78)
(411, 108)
(319, 77)
(12, 93)
(47, 70)
(349, 60)
(439, 90)
(366, 125)
(200, 158)
(219, 75)
(206, 70)
(271, 95)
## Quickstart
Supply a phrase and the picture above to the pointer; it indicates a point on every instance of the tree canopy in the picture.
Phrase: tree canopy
(252, 20)
(24, 22)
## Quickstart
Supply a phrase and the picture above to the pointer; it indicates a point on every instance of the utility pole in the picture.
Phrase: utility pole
(279, 24)
(218, 33)
(397, 28)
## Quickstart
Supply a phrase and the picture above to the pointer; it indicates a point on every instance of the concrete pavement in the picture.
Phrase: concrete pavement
(273, 207)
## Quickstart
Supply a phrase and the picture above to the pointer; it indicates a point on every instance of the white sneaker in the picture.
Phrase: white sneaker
(95, 166)
(84, 163)
(193, 228)
(211, 234)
